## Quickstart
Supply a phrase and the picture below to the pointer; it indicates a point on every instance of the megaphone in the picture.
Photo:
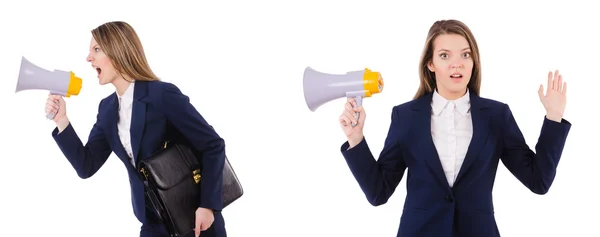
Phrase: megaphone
(320, 88)
(58, 82)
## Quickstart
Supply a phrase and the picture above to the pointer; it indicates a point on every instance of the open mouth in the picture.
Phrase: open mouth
(99, 70)
(456, 76)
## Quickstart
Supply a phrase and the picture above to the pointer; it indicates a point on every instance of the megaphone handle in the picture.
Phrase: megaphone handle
(50, 116)
(358, 103)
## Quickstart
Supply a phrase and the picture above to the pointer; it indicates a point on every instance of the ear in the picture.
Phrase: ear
(430, 66)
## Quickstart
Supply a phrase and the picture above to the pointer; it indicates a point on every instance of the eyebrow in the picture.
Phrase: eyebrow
(467, 48)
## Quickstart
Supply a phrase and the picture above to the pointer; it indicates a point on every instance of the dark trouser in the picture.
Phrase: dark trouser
(152, 228)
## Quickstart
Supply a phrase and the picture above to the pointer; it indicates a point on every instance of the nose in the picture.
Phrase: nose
(89, 58)
(456, 65)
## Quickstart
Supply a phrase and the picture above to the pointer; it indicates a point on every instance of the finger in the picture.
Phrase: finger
(354, 111)
(348, 106)
(351, 112)
(541, 92)
(352, 101)
(60, 100)
(358, 109)
(197, 231)
(344, 120)
(560, 83)
(549, 82)
(54, 104)
(362, 116)
(351, 116)
(52, 100)
(50, 109)
(555, 80)
(204, 227)
(564, 88)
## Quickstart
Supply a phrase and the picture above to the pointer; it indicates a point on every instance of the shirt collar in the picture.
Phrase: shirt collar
(127, 97)
(439, 103)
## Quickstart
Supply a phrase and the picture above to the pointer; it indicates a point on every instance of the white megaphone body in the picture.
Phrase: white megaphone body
(320, 88)
(57, 82)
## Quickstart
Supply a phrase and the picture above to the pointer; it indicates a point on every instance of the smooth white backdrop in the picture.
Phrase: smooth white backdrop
(241, 63)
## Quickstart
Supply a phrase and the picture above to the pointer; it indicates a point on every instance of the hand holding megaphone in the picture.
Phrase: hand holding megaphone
(58, 82)
(56, 106)
(351, 124)
(320, 88)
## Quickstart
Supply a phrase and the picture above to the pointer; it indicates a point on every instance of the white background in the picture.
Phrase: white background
(241, 62)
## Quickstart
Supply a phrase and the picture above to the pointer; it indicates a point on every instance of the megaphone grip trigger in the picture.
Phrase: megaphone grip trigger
(358, 100)
(49, 115)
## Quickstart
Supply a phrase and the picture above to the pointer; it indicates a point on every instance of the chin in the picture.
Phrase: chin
(456, 88)
(460, 90)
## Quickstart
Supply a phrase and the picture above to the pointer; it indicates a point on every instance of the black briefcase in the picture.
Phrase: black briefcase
(171, 178)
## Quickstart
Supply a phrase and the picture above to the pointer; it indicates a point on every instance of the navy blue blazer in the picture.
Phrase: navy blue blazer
(160, 112)
(432, 207)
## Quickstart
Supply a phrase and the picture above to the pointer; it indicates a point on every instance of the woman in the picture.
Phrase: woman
(149, 109)
(451, 140)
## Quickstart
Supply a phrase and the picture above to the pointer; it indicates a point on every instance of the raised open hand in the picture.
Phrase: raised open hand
(555, 99)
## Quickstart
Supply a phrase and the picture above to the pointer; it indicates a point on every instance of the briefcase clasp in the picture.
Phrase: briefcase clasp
(197, 175)
(144, 173)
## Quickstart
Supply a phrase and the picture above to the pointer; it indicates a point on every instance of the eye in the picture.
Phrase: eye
(97, 49)
(444, 55)
(467, 55)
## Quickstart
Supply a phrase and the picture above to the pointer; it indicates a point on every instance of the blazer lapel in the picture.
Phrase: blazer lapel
(112, 118)
(422, 108)
(138, 117)
(480, 134)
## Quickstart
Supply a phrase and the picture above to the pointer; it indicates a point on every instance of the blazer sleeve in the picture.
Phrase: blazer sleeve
(536, 170)
(85, 159)
(379, 178)
(185, 118)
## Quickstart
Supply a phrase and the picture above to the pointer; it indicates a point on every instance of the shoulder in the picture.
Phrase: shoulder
(495, 108)
(164, 94)
(107, 100)
(160, 87)
(412, 105)
(498, 112)
(160, 91)
(493, 104)
(404, 107)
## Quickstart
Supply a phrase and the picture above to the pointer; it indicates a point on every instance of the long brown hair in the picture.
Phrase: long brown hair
(121, 44)
(427, 78)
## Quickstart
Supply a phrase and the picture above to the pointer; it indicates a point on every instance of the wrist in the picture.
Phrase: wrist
(62, 124)
(205, 209)
(352, 142)
(556, 117)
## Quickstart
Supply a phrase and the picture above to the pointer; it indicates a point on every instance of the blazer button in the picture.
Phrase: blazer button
(449, 199)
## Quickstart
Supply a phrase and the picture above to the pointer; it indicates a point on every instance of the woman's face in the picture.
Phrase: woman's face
(101, 63)
(452, 65)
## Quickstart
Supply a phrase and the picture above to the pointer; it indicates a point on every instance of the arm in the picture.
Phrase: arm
(85, 159)
(377, 179)
(535, 170)
(203, 137)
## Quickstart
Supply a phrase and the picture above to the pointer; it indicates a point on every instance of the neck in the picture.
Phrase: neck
(451, 95)
(121, 85)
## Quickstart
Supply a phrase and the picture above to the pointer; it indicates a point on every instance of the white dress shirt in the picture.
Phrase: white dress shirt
(124, 124)
(451, 130)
